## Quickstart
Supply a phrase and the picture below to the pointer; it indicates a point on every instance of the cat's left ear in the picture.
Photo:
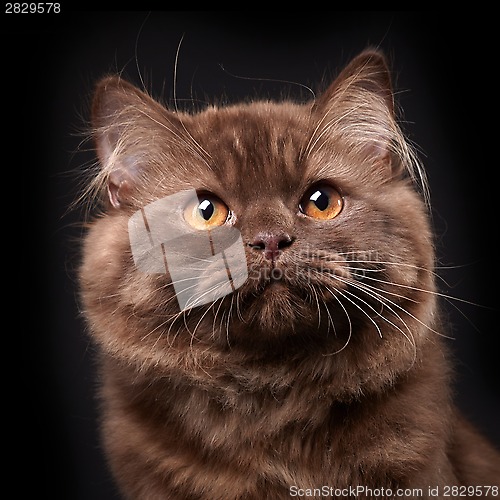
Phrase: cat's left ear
(357, 111)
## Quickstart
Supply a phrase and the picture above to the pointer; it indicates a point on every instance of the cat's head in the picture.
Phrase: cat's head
(263, 225)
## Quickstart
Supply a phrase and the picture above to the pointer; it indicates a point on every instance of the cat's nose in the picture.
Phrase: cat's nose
(271, 244)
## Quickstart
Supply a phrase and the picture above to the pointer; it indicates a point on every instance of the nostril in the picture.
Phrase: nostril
(271, 243)
(258, 245)
(285, 242)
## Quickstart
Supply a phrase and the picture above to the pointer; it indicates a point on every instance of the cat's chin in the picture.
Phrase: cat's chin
(277, 310)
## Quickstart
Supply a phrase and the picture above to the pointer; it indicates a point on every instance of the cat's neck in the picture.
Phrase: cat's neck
(230, 376)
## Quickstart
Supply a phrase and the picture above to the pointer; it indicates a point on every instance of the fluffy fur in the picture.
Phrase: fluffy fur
(335, 374)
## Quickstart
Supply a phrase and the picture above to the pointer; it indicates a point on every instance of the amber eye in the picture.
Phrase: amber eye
(206, 212)
(321, 201)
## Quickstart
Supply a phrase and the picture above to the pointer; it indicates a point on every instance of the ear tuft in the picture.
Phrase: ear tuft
(120, 187)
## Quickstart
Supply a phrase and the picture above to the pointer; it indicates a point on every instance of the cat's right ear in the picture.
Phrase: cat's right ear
(123, 119)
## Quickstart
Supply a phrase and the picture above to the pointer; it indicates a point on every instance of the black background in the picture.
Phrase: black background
(443, 66)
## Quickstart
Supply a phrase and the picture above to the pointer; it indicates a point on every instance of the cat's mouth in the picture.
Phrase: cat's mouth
(269, 276)
(293, 296)
(300, 277)
(278, 296)
(274, 277)
(275, 282)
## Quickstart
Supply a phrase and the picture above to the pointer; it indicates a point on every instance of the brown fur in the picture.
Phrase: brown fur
(340, 380)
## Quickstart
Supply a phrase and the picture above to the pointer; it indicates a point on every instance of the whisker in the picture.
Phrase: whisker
(348, 319)
(375, 292)
(383, 301)
(238, 308)
(201, 152)
(230, 310)
(395, 263)
(430, 292)
(195, 300)
(315, 295)
(344, 292)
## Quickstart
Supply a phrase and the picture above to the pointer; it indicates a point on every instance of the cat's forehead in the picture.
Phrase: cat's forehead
(255, 148)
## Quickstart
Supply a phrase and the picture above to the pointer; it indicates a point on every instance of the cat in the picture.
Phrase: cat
(260, 286)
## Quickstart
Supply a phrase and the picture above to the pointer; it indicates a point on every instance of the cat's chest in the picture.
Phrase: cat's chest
(260, 441)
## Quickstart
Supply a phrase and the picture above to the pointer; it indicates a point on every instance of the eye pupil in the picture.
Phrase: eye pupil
(320, 199)
(206, 209)
(322, 202)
